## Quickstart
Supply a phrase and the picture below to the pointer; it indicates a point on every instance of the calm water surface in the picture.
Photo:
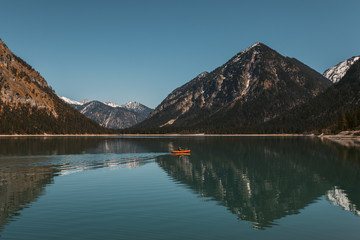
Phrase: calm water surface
(132, 188)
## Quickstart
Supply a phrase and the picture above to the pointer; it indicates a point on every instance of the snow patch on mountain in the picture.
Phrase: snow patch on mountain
(86, 108)
(337, 72)
(84, 101)
(135, 106)
(111, 104)
(241, 55)
(69, 101)
(202, 75)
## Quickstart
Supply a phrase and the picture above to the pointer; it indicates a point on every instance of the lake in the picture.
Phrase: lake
(132, 188)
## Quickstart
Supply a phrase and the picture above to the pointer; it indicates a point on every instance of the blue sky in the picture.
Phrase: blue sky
(142, 50)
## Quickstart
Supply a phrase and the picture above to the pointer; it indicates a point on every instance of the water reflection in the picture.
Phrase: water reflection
(262, 180)
(28, 165)
(34, 146)
(20, 186)
(339, 198)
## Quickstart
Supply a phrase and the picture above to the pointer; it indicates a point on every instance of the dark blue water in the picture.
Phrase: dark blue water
(132, 188)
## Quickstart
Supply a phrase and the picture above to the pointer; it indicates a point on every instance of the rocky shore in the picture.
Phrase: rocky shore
(345, 138)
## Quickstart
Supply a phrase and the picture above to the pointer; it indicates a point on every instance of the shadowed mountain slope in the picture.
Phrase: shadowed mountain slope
(323, 111)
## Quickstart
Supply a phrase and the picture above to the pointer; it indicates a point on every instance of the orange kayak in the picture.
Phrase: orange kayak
(182, 151)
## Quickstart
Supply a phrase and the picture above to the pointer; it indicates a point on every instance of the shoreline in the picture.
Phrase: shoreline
(158, 135)
(345, 138)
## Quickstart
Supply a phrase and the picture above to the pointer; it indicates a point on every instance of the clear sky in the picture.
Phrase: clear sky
(142, 50)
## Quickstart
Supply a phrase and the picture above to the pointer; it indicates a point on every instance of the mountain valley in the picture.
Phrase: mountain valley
(111, 115)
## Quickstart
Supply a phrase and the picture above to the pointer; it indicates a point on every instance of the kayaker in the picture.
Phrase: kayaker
(180, 149)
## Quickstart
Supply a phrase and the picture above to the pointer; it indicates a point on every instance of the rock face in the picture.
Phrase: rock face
(21, 84)
(29, 105)
(337, 72)
(112, 115)
(253, 87)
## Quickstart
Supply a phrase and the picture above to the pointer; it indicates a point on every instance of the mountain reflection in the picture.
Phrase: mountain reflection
(19, 187)
(28, 165)
(33, 146)
(339, 198)
(262, 180)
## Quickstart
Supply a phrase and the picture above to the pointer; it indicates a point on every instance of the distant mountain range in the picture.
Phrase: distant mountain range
(253, 87)
(256, 91)
(29, 105)
(111, 115)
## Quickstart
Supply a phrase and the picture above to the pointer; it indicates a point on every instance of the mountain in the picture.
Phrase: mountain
(324, 111)
(337, 72)
(253, 87)
(111, 115)
(29, 105)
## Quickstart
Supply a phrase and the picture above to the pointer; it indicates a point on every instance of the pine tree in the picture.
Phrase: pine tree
(342, 124)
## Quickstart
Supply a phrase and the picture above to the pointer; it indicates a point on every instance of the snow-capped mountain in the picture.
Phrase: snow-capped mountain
(337, 72)
(110, 114)
(133, 106)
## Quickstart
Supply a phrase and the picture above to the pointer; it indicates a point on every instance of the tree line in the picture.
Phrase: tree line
(26, 119)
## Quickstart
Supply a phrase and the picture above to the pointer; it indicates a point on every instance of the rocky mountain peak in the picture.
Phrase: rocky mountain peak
(250, 84)
(131, 105)
(334, 74)
(352, 76)
(258, 46)
(254, 49)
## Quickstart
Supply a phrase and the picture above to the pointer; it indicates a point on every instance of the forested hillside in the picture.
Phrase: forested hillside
(28, 105)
